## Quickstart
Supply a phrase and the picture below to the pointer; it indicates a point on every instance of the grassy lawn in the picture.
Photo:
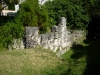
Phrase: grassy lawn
(44, 62)
(27, 62)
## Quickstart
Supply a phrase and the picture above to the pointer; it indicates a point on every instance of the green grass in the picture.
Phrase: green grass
(73, 62)
(27, 62)
(93, 58)
(82, 59)
(39, 62)
(69, 65)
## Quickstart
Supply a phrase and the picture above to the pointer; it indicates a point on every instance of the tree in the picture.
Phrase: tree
(30, 14)
(93, 9)
(77, 18)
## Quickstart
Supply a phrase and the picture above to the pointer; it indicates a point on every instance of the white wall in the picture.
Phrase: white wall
(4, 12)
(16, 7)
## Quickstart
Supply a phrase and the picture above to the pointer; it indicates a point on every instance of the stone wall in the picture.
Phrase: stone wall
(56, 40)
(59, 39)
(17, 44)
(78, 36)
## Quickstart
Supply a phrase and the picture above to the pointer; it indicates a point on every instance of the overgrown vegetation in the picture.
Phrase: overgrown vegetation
(77, 18)
(81, 15)
(29, 15)
(10, 31)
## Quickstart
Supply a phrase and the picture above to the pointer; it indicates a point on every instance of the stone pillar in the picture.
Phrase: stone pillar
(62, 31)
(62, 21)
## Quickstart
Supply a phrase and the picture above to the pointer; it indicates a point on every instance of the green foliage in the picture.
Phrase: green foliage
(9, 31)
(92, 7)
(28, 13)
(31, 15)
(43, 20)
(11, 6)
(5, 19)
(77, 18)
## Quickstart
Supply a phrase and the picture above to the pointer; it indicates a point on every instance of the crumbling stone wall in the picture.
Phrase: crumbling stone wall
(59, 39)
(17, 44)
(78, 36)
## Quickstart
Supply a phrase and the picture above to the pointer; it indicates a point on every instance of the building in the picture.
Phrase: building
(6, 12)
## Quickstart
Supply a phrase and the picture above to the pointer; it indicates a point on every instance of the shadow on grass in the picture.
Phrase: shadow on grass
(92, 53)
(93, 59)
(79, 51)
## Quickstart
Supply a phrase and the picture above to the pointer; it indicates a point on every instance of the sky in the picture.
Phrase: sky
(42, 1)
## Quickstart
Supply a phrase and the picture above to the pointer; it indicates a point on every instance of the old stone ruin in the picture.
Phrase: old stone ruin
(59, 39)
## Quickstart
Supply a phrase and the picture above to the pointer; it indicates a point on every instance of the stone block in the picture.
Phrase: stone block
(55, 29)
(31, 36)
(55, 35)
(50, 36)
(62, 21)
(31, 31)
(44, 38)
(18, 44)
